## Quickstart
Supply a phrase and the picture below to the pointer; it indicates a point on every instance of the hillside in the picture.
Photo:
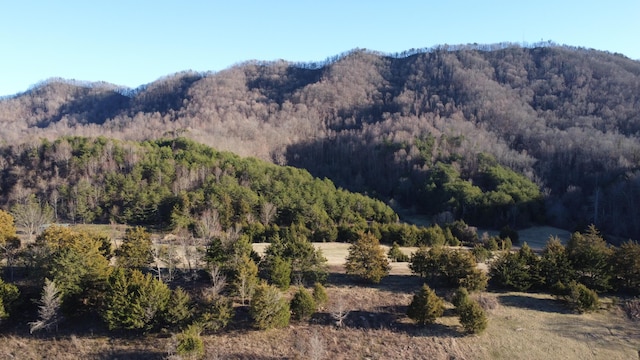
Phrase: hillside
(567, 119)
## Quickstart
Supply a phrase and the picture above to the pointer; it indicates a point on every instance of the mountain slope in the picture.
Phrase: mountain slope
(566, 118)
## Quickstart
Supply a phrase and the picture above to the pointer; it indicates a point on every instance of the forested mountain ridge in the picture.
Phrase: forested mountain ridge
(566, 118)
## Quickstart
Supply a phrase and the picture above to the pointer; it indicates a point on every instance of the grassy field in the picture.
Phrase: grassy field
(521, 326)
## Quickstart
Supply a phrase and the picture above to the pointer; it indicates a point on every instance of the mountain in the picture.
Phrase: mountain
(567, 119)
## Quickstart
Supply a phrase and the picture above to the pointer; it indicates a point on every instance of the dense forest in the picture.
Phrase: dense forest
(536, 134)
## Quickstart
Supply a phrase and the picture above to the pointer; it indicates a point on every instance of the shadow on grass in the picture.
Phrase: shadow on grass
(533, 303)
(386, 318)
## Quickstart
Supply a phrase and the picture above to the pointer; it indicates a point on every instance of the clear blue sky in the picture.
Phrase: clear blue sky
(135, 42)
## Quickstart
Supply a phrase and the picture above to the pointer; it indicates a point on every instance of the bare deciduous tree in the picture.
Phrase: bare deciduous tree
(339, 311)
(267, 212)
(32, 215)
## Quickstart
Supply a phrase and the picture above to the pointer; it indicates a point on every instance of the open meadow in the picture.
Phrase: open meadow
(521, 326)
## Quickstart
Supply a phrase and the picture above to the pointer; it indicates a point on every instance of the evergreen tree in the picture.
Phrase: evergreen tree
(472, 317)
(133, 300)
(302, 305)
(367, 259)
(269, 309)
(626, 261)
(320, 294)
(135, 251)
(555, 267)
(590, 256)
(425, 306)
(9, 293)
(178, 311)
(280, 273)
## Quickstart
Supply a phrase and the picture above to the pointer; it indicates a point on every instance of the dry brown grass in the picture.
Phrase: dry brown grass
(521, 326)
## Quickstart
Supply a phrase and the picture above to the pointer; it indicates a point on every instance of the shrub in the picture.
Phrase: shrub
(302, 305)
(508, 233)
(460, 296)
(472, 317)
(189, 343)
(581, 298)
(396, 255)
(425, 306)
(269, 309)
(320, 294)
(217, 314)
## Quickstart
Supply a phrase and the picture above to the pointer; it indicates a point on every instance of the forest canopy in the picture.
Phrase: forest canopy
(567, 119)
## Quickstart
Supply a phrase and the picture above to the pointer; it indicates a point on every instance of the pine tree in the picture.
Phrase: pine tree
(320, 294)
(269, 309)
(425, 306)
(472, 317)
(302, 305)
(135, 251)
(367, 259)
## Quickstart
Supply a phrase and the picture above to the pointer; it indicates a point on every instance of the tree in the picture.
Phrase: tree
(280, 273)
(396, 255)
(590, 256)
(519, 270)
(302, 305)
(626, 261)
(449, 267)
(32, 215)
(269, 309)
(49, 312)
(8, 295)
(75, 262)
(9, 241)
(133, 300)
(555, 267)
(320, 294)
(425, 306)
(367, 259)
(136, 249)
(246, 277)
(178, 310)
(189, 344)
(472, 317)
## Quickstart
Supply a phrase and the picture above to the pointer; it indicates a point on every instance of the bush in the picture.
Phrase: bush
(217, 314)
(426, 306)
(472, 317)
(302, 305)
(581, 298)
(460, 296)
(189, 343)
(396, 255)
(269, 309)
(320, 294)
(508, 233)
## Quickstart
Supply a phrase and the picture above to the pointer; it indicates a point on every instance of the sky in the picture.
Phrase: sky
(135, 42)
